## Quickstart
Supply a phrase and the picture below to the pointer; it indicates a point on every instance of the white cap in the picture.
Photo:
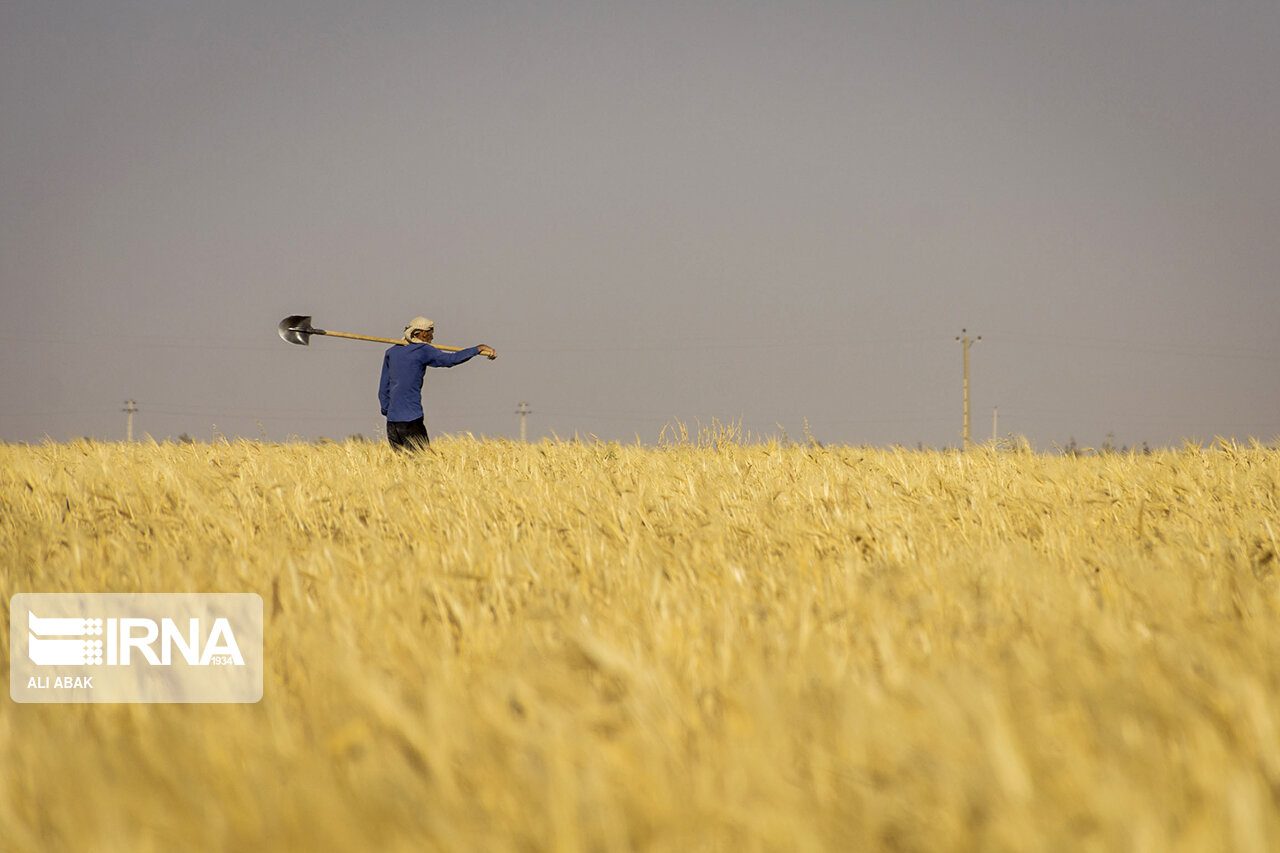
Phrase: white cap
(417, 324)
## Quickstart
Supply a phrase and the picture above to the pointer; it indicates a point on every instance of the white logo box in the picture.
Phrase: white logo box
(135, 647)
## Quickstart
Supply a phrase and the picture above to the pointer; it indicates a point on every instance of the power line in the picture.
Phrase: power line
(1140, 347)
(55, 414)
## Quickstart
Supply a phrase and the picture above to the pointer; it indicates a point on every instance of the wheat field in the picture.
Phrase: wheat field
(702, 646)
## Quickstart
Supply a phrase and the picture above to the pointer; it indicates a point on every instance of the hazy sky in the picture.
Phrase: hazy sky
(652, 210)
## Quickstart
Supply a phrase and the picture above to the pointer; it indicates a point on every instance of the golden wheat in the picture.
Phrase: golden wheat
(500, 646)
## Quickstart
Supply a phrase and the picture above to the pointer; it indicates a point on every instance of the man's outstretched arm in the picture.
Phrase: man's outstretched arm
(433, 357)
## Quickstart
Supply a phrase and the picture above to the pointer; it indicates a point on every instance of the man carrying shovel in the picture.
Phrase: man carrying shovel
(400, 389)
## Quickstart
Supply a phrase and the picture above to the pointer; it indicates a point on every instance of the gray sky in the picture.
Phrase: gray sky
(652, 210)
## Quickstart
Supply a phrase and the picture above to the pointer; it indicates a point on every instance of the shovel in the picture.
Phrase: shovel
(298, 330)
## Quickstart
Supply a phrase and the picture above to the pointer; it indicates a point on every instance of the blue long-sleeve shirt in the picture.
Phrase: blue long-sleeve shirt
(400, 389)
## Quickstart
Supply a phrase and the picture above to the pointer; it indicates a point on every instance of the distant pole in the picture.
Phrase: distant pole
(523, 411)
(995, 423)
(965, 343)
(129, 408)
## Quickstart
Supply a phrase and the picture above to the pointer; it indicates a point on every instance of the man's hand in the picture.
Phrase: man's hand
(488, 351)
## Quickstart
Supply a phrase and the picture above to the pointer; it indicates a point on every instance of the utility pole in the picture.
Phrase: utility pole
(995, 423)
(965, 343)
(129, 408)
(522, 409)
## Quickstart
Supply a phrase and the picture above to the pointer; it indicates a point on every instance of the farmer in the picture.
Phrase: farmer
(400, 389)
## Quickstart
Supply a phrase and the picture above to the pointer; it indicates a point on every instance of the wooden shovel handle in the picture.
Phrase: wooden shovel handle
(353, 336)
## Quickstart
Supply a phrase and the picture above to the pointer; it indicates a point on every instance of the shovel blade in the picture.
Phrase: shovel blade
(296, 329)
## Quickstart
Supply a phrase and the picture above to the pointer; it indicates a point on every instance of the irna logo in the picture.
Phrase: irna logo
(64, 641)
(127, 647)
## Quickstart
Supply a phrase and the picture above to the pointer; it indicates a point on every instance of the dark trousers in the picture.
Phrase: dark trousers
(407, 435)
